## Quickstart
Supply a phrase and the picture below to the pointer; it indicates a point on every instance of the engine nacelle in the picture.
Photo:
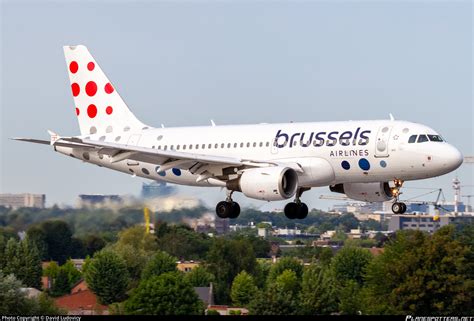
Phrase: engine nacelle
(267, 183)
(367, 192)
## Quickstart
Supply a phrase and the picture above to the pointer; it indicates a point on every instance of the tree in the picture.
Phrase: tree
(349, 264)
(318, 291)
(61, 284)
(73, 274)
(420, 274)
(274, 301)
(38, 237)
(287, 281)
(243, 289)
(160, 263)
(107, 276)
(350, 298)
(286, 263)
(226, 259)
(58, 237)
(94, 243)
(166, 294)
(199, 276)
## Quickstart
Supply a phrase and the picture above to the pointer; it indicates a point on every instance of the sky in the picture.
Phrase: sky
(182, 63)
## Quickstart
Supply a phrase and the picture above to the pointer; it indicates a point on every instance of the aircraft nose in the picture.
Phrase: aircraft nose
(452, 158)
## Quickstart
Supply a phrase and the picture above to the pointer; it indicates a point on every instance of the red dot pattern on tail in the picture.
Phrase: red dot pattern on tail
(90, 66)
(73, 67)
(108, 88)
(75, 89)
(77, 111)
(91, 88)
(109, 110)
(92, 111)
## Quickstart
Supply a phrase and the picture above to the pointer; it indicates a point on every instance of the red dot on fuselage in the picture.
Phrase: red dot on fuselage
(73, 67)
(92, 111)
(109, 110)
(75, 89)
(91, 88)
(77, 111)
(90, 66)
(108, 88)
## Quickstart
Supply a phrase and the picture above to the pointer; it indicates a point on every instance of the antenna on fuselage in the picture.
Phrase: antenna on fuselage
(213, 123)
(391, 117)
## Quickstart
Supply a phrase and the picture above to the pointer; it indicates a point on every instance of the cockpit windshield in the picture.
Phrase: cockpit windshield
(424, 138)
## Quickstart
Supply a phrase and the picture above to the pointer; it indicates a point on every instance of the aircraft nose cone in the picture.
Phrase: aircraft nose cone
(452, 158)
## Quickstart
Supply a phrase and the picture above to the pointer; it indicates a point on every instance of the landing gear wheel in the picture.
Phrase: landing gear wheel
(404, 208)
(291, 210)
(235, 210)
(302, 211)
(399, 208)
(223, 209)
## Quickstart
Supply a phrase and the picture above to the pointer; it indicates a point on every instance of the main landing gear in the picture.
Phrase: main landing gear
(398, 207)
(228, 208)
(297, 209)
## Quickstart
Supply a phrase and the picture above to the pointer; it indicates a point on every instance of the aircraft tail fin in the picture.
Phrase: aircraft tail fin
(99, 108)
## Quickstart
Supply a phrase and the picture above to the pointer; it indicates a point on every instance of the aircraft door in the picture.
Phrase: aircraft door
(133, 140)
(383, 140)
(274, 148)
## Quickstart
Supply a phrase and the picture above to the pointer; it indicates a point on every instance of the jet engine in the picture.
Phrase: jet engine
(367, 192)
(268, 183)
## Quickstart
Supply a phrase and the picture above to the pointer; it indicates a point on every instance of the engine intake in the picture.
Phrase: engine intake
(268, 184)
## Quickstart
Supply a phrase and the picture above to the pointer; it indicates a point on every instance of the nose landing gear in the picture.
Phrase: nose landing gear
(228, 208)
(398, 207)
(297, 209)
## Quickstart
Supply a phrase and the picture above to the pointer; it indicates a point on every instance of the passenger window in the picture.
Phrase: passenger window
(197, 146)
(435, 138)
(412, 139)
(241, 145)
(248, 144)
(216, 145)
(222, 145)
(177, 147)
(235, 145)
(268, 144)
(209, 146)
(184, 147)
(166, 147)
(228, 145)
(203, 146)
(422, 139)
(254, 144)
(261, 144)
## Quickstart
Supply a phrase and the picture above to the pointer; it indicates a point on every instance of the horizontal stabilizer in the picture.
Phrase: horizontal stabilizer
(32, 140)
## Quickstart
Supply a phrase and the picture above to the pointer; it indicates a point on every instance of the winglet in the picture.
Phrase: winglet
(391, 117)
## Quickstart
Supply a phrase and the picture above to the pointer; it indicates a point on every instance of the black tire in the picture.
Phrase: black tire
(223, 209)
(404, 208)
(302, 211)
(291, 210)
(234, 210)
(397, 208)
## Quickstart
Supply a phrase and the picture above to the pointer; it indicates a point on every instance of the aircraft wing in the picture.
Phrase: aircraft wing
(206, 166)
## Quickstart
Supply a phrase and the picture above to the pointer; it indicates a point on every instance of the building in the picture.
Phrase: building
(81, 301)
(206, 294)
(187, 266)
(427, 223)
(156, 189)
(23, 200)
(98, 200)
(221, 225)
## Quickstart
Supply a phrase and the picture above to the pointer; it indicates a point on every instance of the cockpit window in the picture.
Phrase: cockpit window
(422, 139)
(412, 139)
(435, 138)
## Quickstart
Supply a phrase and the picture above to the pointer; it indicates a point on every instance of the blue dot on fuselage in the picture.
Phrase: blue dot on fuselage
(177, 171)
(364, 164)
(346, 165)
(383, 163)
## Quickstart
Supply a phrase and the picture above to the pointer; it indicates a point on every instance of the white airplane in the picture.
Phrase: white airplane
(366, 160)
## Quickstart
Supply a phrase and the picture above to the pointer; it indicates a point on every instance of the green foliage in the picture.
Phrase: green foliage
(285, 263)
(287, 281)
(166, 294)
(160, 263)
(51, 270)
(58, 239)
(73, 274)
(22, 259)
(199, 276)
(349, 264)
(318, 291)
(261, 247)
(38, 238)
(350, 298)
(13, 301)
(93, 243)
(107, 276)
(212, 312)
(225, 260)
(61, 284)
(243, 289)
(182, 242)
(421, 274)
(274, 301)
